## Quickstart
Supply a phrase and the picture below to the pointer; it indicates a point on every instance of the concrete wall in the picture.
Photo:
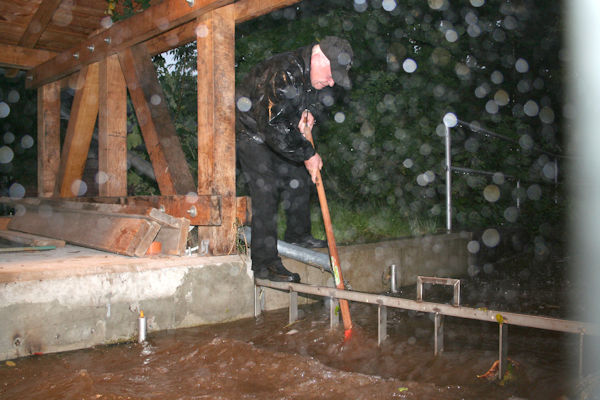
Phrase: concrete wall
(365, 267)
(74, 298)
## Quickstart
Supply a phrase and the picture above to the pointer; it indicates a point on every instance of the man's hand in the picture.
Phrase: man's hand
(314, 165)
(306, 122)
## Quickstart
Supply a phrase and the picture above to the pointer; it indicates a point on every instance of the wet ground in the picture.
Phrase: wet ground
(264, 358)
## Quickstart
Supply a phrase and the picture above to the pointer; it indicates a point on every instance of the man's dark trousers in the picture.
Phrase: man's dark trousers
(268, 176)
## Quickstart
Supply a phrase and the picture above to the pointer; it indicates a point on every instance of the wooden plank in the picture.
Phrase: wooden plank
(122, 35)
(4, 223)
(168, 160)
(200, 210)
(29, 239)
(79, 133)
(39, 22)
(244, 11)
(22, 57)
(173, 233)
(48, 143)
(122, 234)
(112, 129)
(216, 141)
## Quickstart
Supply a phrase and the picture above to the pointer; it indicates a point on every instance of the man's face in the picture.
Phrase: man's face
(320, 71)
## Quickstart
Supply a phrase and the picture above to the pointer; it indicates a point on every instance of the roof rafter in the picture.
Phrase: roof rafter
(164, 26)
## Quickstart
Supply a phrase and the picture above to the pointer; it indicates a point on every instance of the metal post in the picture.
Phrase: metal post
(393, 283)
(448, 183)
(334, 316)
(419, 288)
(381, 324)
(258, 300)
(502, 350)
(293, 306)
(438, 334)
(456, 300)
(519, 193)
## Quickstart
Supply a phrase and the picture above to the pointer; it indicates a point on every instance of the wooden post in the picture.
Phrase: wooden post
(168, 160)
(79, 133)
(48, 122)
(112, 130)
(215, 33)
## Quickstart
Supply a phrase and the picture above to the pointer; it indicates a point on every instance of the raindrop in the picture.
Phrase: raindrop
(472, 145)
(101, 177)
(360, 5)
(409, 65)
(490, 237)
(531, 108)
(473, 246)
(451, 35)
(9, 137)
(294, 183)
(6, 155)
(201, 30)
(526, 142)
(482, 90)
(78, 187)
(367, 129)
(547, 115)
(501, 97)
(20, 210)
(388, 5)
(497, 77)
(471, 18)
(549, 170)
(521, 65)
(436, 4)
(491, 107)
(488, 268)
(4, 110)
(244, 104)
(534, 192)
(408, 163)
(462, 71)
(339, 117)
(13, 96)
(155, 99)
(440, 130)
(473, 30)
(425, 149)
(491, 193)
(106, 22)
(26, 141)
(510, 23)
(412, 340)
(327, 100)
(477, 3)
(16, 191)
(498, 178)
(523, 86)
(450, 120)
(429, 176)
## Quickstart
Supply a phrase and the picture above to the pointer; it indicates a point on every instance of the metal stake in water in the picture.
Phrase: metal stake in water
(393, 283)
(141, 327)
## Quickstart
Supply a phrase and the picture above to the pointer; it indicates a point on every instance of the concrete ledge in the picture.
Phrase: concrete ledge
(75, 298)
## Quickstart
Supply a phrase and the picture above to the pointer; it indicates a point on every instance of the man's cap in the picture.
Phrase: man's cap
(339, 53)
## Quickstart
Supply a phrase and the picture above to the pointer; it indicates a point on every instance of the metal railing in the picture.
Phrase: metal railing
(449, 167)
(502, 318)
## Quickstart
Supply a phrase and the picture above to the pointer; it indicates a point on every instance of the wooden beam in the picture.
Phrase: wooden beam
(122, 35)
(168, 160)
(39, 22)
(79, 133)
(29, 239)
(112, 129)
(216, 122)
(48, 123)
(22, 57)
(244, 11)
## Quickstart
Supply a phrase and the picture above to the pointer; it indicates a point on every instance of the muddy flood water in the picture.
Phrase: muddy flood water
(264, 358)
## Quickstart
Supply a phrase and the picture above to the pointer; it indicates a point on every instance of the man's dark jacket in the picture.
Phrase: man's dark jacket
(279, 90)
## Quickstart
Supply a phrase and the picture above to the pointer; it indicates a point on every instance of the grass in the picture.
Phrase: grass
(369, 223)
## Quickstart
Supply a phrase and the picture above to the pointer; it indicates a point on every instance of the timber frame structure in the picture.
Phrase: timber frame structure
(63, 43)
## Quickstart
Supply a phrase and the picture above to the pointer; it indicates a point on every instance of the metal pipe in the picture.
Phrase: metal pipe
(393, 283)
(448, 182)
(141, 328)
(306, 256)
(531, 321)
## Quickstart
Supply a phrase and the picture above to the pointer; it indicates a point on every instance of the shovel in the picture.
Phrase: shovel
(333, 252)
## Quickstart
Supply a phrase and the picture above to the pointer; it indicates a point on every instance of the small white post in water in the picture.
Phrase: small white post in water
(141, 328)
